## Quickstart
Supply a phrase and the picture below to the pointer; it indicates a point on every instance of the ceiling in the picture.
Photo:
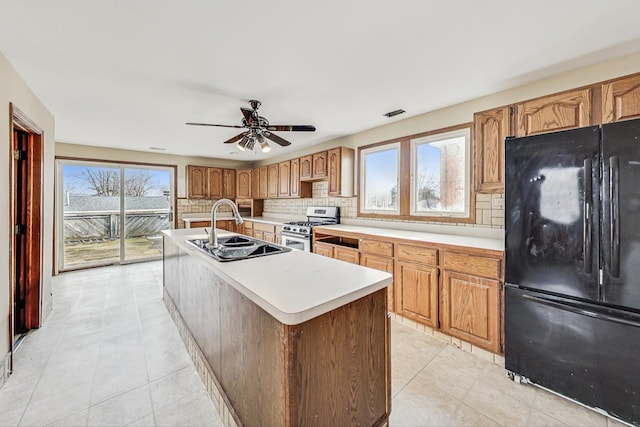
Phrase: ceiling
(129, 74)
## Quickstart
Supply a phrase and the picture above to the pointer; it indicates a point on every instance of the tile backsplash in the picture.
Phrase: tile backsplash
(195, 206)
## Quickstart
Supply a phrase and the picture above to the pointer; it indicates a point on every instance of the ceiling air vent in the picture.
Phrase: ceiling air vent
(394, 113)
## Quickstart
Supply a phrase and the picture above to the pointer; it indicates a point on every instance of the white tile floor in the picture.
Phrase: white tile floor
(109, 355)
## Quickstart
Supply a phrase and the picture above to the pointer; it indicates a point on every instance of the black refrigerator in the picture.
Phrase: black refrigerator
(572, 264)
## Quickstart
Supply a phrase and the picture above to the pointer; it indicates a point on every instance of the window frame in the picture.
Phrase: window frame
(375, 148)
(405, 176)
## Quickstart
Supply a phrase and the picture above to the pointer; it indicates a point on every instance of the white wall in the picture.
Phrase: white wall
(13, 89)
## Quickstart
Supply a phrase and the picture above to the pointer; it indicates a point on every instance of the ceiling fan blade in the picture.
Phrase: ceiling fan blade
(236, 138)
(275, 138)
(210, 124)
(291, 128)
(248, 114)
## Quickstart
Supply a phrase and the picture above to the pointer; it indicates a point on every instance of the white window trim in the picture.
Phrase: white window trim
(363, 182)
(466, 133)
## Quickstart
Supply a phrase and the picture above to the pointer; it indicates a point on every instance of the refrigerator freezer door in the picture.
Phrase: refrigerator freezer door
(620, 241)
(552, 212)
(580, 350)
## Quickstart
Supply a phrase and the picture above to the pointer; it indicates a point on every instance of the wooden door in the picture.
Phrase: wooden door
(284, 179)
(306, 169)
(215, 180)
(323, 249)
(319, 166)
(229, 185)
(382, 264)
(244, 181)
(346, 254)
(621, 99)
(470, 307)
(490, 129)
(334, 171)
(417, 292)
(566, 110)
(272, 181)
(196, 182)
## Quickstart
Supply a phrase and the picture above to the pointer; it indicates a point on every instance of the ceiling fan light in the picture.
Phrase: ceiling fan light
(242, 144)
(265, 147)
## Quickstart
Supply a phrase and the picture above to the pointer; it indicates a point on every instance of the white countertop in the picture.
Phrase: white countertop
(207, 217)
(294, 286)
(447, 239)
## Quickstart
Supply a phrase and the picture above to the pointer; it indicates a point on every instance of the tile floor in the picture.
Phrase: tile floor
(109, 355)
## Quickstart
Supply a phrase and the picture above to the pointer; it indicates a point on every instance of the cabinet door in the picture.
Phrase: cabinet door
(229, 185)
(621, 99)
(346, 254)
(269, 237)
(490, 129)
(215, 183)
(272, 181)
(263, 182)
(284, 179)
(335, 171)
(319, 167)
(294, 183)
(243, 184)
(323, 249)
(258, 234)
(553, 113)
(196, 182)
(247, 228)
(382, 264)
(417, 292)
(470, 307)
(306, 170)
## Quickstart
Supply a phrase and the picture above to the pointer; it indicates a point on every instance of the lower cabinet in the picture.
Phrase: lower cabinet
(347, 254)
(323, 249)
(384, 264)
(417, 292)
(470, 309)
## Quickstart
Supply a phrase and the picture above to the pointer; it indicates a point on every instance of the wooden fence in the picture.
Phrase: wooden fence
(106, 224)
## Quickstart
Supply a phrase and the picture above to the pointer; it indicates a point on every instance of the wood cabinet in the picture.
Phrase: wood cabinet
(490, 128)
(384, 264)
(229, 183)
(347, 254)
(284, 179)
(417, 292)
(323, 249)
(297, 187)
(561, 111)
(215, 179)
(306, 170)
(272, 181)
(196, 182)
(340, 164)
(621, 99)
(319, 165)
(198, 224)
(471, 301)
(244, 183)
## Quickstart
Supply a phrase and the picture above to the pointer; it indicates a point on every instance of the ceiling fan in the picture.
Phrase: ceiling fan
(258, 128)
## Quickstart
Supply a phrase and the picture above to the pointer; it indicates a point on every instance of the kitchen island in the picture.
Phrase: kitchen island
(283, 340)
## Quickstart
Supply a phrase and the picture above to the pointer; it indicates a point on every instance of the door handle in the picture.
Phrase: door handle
(587, 221)
(614, 218)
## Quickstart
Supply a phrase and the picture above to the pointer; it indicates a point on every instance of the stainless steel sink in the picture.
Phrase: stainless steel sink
(236, 248)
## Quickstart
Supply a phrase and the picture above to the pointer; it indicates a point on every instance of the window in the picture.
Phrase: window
(418, 177)
(440, 171)
(379, 174)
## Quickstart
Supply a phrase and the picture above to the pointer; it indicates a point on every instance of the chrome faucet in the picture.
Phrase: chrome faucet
(213, 236)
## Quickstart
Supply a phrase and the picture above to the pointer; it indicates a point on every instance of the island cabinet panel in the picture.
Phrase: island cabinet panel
(244, 183)
(349, 378)
(196, 182)
(470, 307)
(621, 99)
(417, 292)
(272, 181)
(562, 111)
(383, 264)
(490, 128)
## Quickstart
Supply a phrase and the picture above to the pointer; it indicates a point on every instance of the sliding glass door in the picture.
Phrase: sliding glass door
(111, 213)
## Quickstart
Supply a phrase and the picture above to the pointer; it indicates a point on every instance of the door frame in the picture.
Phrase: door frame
(35, 224)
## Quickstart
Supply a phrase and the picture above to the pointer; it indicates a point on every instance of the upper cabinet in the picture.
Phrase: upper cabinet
(229, 183)
(340, 162)
(319, 165)
(244, 183)
(196, 182)
(562, 111)
(272, 181)
(215, 180)
(490, 128)
(621, 99)
(284, 179)
(297, 187)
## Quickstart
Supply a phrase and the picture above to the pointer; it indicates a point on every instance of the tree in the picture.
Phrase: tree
(106, 181)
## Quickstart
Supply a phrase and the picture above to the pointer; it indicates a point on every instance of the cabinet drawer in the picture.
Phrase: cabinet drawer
(248, 225)
(473, 264)
(419, 254)
(376, 247)
(346, 254)
(268, 228)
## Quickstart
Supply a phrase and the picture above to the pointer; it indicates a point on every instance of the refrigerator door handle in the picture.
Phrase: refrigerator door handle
(587, 221)
(582, 309)
(614, 218)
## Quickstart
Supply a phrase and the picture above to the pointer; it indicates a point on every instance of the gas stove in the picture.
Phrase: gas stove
(297, 234)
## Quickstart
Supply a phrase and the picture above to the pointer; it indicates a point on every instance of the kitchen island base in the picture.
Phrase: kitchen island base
(333, 369)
